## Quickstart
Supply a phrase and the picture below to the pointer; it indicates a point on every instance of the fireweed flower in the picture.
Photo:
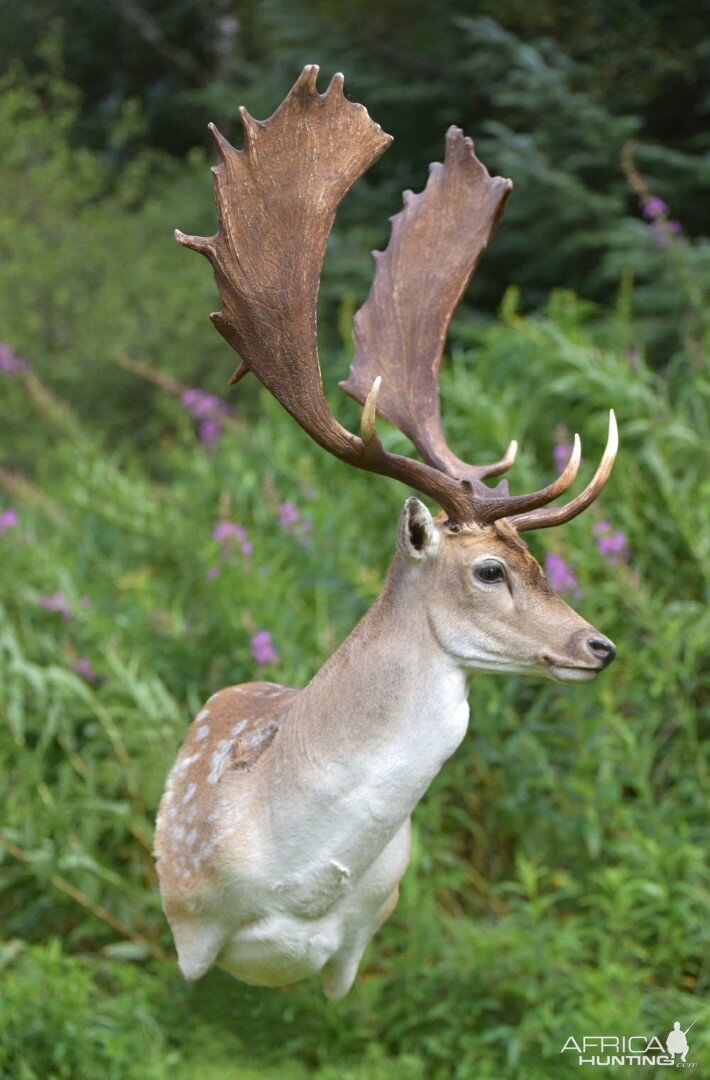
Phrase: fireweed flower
(209, 411)
(59, 603)
(289, 515)
(653, 208)
(262, 648)
(201, 404)
(656, 211)
(561, 575)
(208, 432)
(10, 362)
(293, 523)
(9, 519)
(612, 543)
(84, 668)
(230, 533)
(227, 530)
(562, 453)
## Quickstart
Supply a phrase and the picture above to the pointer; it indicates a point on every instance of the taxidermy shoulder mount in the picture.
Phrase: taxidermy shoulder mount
(283, 831)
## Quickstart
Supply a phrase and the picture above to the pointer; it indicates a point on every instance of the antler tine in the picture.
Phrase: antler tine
(498, 467)
(544, 518)
(437, 241)
(368, 421)
(493, 506)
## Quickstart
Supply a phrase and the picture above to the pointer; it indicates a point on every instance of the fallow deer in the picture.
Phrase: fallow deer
(283, 832)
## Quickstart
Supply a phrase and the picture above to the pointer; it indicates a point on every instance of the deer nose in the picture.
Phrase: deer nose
(602, 649)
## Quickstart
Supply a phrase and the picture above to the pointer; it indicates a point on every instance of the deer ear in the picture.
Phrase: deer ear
(417, 535)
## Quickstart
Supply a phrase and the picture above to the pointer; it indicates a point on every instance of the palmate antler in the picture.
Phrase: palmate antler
(276, 201)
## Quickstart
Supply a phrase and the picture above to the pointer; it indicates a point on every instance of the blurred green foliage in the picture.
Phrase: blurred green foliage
(557, 883)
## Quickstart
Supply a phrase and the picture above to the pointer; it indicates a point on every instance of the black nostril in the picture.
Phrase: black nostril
(602, 648)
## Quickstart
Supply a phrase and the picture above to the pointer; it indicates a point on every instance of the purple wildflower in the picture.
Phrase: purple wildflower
(293, 523)
(612, 543)
(201, 404)
(9, 519)
(653, 208)
(262, 648)
(562, 577)
(208, 432)
(84, 668)
(289, 515)
(228, 533)
(227, 530)
(656, 211)
(10, 362)
(208, 410)
(58, 602)
(562, 454)
(213, 572)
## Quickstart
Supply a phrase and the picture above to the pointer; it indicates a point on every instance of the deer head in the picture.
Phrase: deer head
(487, 601)
(486, 597)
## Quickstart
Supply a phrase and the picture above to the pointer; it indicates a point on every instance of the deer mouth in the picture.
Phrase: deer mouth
(568, 673)
(565, 674)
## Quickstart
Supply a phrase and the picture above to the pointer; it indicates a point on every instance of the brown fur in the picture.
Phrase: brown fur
(229, 736)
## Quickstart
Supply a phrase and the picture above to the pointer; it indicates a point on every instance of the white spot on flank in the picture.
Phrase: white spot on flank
(202, 732)
(187, 762)
(203, 715)
(219, 758)
(192, 837)
(238, 727)
(189, 794)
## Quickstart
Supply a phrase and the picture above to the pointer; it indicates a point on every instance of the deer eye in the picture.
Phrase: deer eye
(489, 573)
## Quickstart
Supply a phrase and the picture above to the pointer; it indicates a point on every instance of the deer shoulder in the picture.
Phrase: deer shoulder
(199, 813)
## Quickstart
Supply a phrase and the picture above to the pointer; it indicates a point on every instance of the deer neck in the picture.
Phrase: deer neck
(375, 725)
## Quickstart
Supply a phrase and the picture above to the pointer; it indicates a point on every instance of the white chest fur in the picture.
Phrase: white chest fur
(331, 873)
(344, 812)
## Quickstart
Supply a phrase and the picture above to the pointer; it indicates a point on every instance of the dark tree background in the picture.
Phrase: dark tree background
(551, 91)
